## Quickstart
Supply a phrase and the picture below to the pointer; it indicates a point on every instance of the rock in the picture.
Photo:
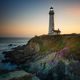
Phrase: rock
(10, 45)
(4, 71)
(75, 68)
(17, 75)
(41, 45)
(66, 46)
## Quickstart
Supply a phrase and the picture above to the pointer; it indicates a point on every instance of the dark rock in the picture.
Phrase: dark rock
(4, 71)
(10, 45)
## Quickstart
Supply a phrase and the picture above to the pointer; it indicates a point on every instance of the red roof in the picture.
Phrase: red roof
(57, 30)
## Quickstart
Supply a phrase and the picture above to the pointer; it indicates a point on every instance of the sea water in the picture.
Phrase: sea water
(5, 46)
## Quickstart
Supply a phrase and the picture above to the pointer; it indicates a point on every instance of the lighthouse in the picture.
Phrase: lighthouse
(52, 31)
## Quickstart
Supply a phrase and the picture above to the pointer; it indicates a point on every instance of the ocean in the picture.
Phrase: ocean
(6, 44)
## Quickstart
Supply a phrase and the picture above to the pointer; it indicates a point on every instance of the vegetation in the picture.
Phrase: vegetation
(49, 57)
(56, 43)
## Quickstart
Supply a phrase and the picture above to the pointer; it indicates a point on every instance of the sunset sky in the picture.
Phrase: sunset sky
(26, 18)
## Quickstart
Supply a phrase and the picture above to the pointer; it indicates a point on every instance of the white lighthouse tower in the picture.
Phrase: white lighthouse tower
(52, 31)
(51, 20)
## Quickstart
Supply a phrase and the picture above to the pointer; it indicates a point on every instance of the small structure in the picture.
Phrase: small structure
(52, 31)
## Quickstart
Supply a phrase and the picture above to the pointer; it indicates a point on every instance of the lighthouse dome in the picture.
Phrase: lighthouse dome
(51, 7)
(51, 12)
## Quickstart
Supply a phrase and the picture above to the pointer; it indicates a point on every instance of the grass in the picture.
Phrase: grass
(57, 43)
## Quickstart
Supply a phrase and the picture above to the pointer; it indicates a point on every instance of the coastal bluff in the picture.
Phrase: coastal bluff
(47, 56)
(67, 45)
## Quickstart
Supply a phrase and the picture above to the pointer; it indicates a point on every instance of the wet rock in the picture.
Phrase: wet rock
(10, 45)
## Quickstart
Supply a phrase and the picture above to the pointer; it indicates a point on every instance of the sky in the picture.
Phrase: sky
(27, 18)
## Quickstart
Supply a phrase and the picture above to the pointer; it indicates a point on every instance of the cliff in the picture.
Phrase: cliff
(49, 57)
(66, 45)
(45, 44)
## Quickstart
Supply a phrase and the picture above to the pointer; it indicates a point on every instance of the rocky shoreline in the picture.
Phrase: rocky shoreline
(48, 57)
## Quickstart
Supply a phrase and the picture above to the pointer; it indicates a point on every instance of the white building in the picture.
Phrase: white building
(52, 31)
